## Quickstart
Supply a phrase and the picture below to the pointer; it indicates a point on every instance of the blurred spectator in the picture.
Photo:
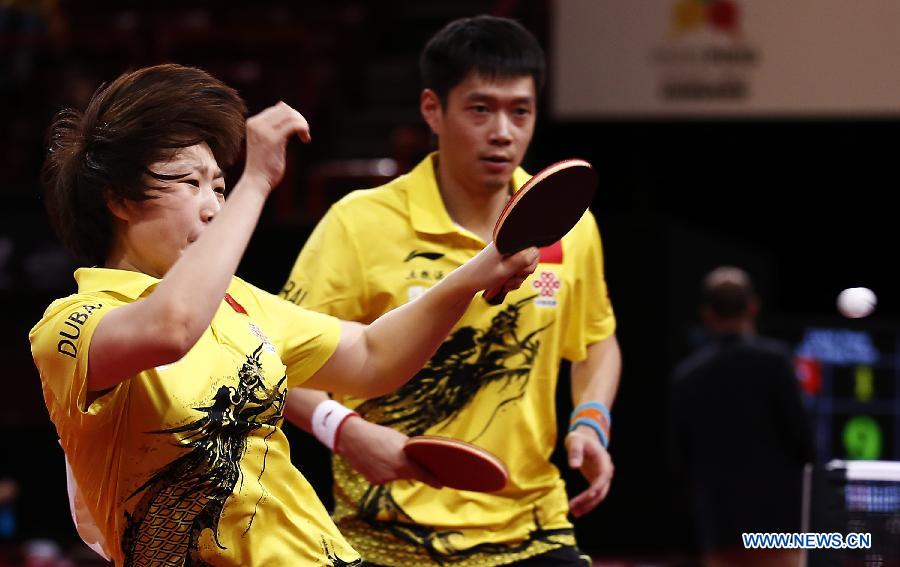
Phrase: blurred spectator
(9, 493)
(741, 435)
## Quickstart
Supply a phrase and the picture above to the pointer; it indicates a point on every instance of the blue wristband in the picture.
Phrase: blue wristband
(592, 423)
(595, 405)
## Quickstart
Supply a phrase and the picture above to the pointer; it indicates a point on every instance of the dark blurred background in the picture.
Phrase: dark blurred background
(800, 201)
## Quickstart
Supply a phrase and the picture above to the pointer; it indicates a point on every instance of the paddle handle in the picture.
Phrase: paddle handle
(494, 296)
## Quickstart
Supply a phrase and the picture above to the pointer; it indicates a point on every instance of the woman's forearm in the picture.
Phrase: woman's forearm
(192, 290)
(420, 325)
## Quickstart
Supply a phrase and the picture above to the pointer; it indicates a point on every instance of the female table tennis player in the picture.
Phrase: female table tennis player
(165, 375)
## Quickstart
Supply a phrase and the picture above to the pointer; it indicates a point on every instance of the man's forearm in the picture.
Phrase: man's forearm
(300, 405)
(596, 378)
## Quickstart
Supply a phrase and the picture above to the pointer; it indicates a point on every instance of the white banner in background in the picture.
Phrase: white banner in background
(725, 57)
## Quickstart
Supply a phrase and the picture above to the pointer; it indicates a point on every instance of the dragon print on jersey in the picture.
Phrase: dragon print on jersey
(187, 496)
(463, 365)
(468, 361)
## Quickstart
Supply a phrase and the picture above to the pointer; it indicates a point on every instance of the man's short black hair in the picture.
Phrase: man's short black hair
(492, 47)
(728, 292)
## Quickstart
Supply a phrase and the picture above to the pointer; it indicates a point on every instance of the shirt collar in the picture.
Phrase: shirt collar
(426, 207)
(123, 282)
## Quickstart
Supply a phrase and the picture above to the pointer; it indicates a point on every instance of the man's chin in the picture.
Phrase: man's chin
(497, 183)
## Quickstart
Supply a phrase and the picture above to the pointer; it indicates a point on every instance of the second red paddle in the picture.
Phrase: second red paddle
(457, 464)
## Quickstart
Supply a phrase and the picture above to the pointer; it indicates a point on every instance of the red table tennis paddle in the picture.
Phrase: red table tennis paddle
(457, 464)
(543, 210)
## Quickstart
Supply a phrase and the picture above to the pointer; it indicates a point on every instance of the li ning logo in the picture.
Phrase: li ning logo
(547, 284)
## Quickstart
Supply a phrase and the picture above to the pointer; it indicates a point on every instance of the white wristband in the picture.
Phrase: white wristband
(327, 420)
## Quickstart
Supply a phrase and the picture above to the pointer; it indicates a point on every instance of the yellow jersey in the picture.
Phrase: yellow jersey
(186, 463)
(492, 382)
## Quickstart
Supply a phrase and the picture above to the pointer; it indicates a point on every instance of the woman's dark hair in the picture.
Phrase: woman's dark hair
(141, 118)
(491, 46)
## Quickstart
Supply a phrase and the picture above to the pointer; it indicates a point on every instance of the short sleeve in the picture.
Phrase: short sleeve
(60, 344)
(590, 317)
(304, 339)
(327, 276)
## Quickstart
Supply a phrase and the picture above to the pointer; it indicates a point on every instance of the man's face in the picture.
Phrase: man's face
(484, 129)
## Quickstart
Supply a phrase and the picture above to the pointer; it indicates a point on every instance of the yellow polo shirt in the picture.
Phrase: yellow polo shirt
(492, 382)
(187, 462)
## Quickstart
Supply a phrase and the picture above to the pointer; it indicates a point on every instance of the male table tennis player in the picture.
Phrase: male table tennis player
(493, 381)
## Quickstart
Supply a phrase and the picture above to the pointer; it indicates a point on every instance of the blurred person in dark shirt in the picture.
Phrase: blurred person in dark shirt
(741, 433)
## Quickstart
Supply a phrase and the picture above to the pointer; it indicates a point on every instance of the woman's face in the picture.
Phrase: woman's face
(186, 192)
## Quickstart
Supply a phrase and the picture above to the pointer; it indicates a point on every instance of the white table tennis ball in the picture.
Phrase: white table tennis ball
(856, 302)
